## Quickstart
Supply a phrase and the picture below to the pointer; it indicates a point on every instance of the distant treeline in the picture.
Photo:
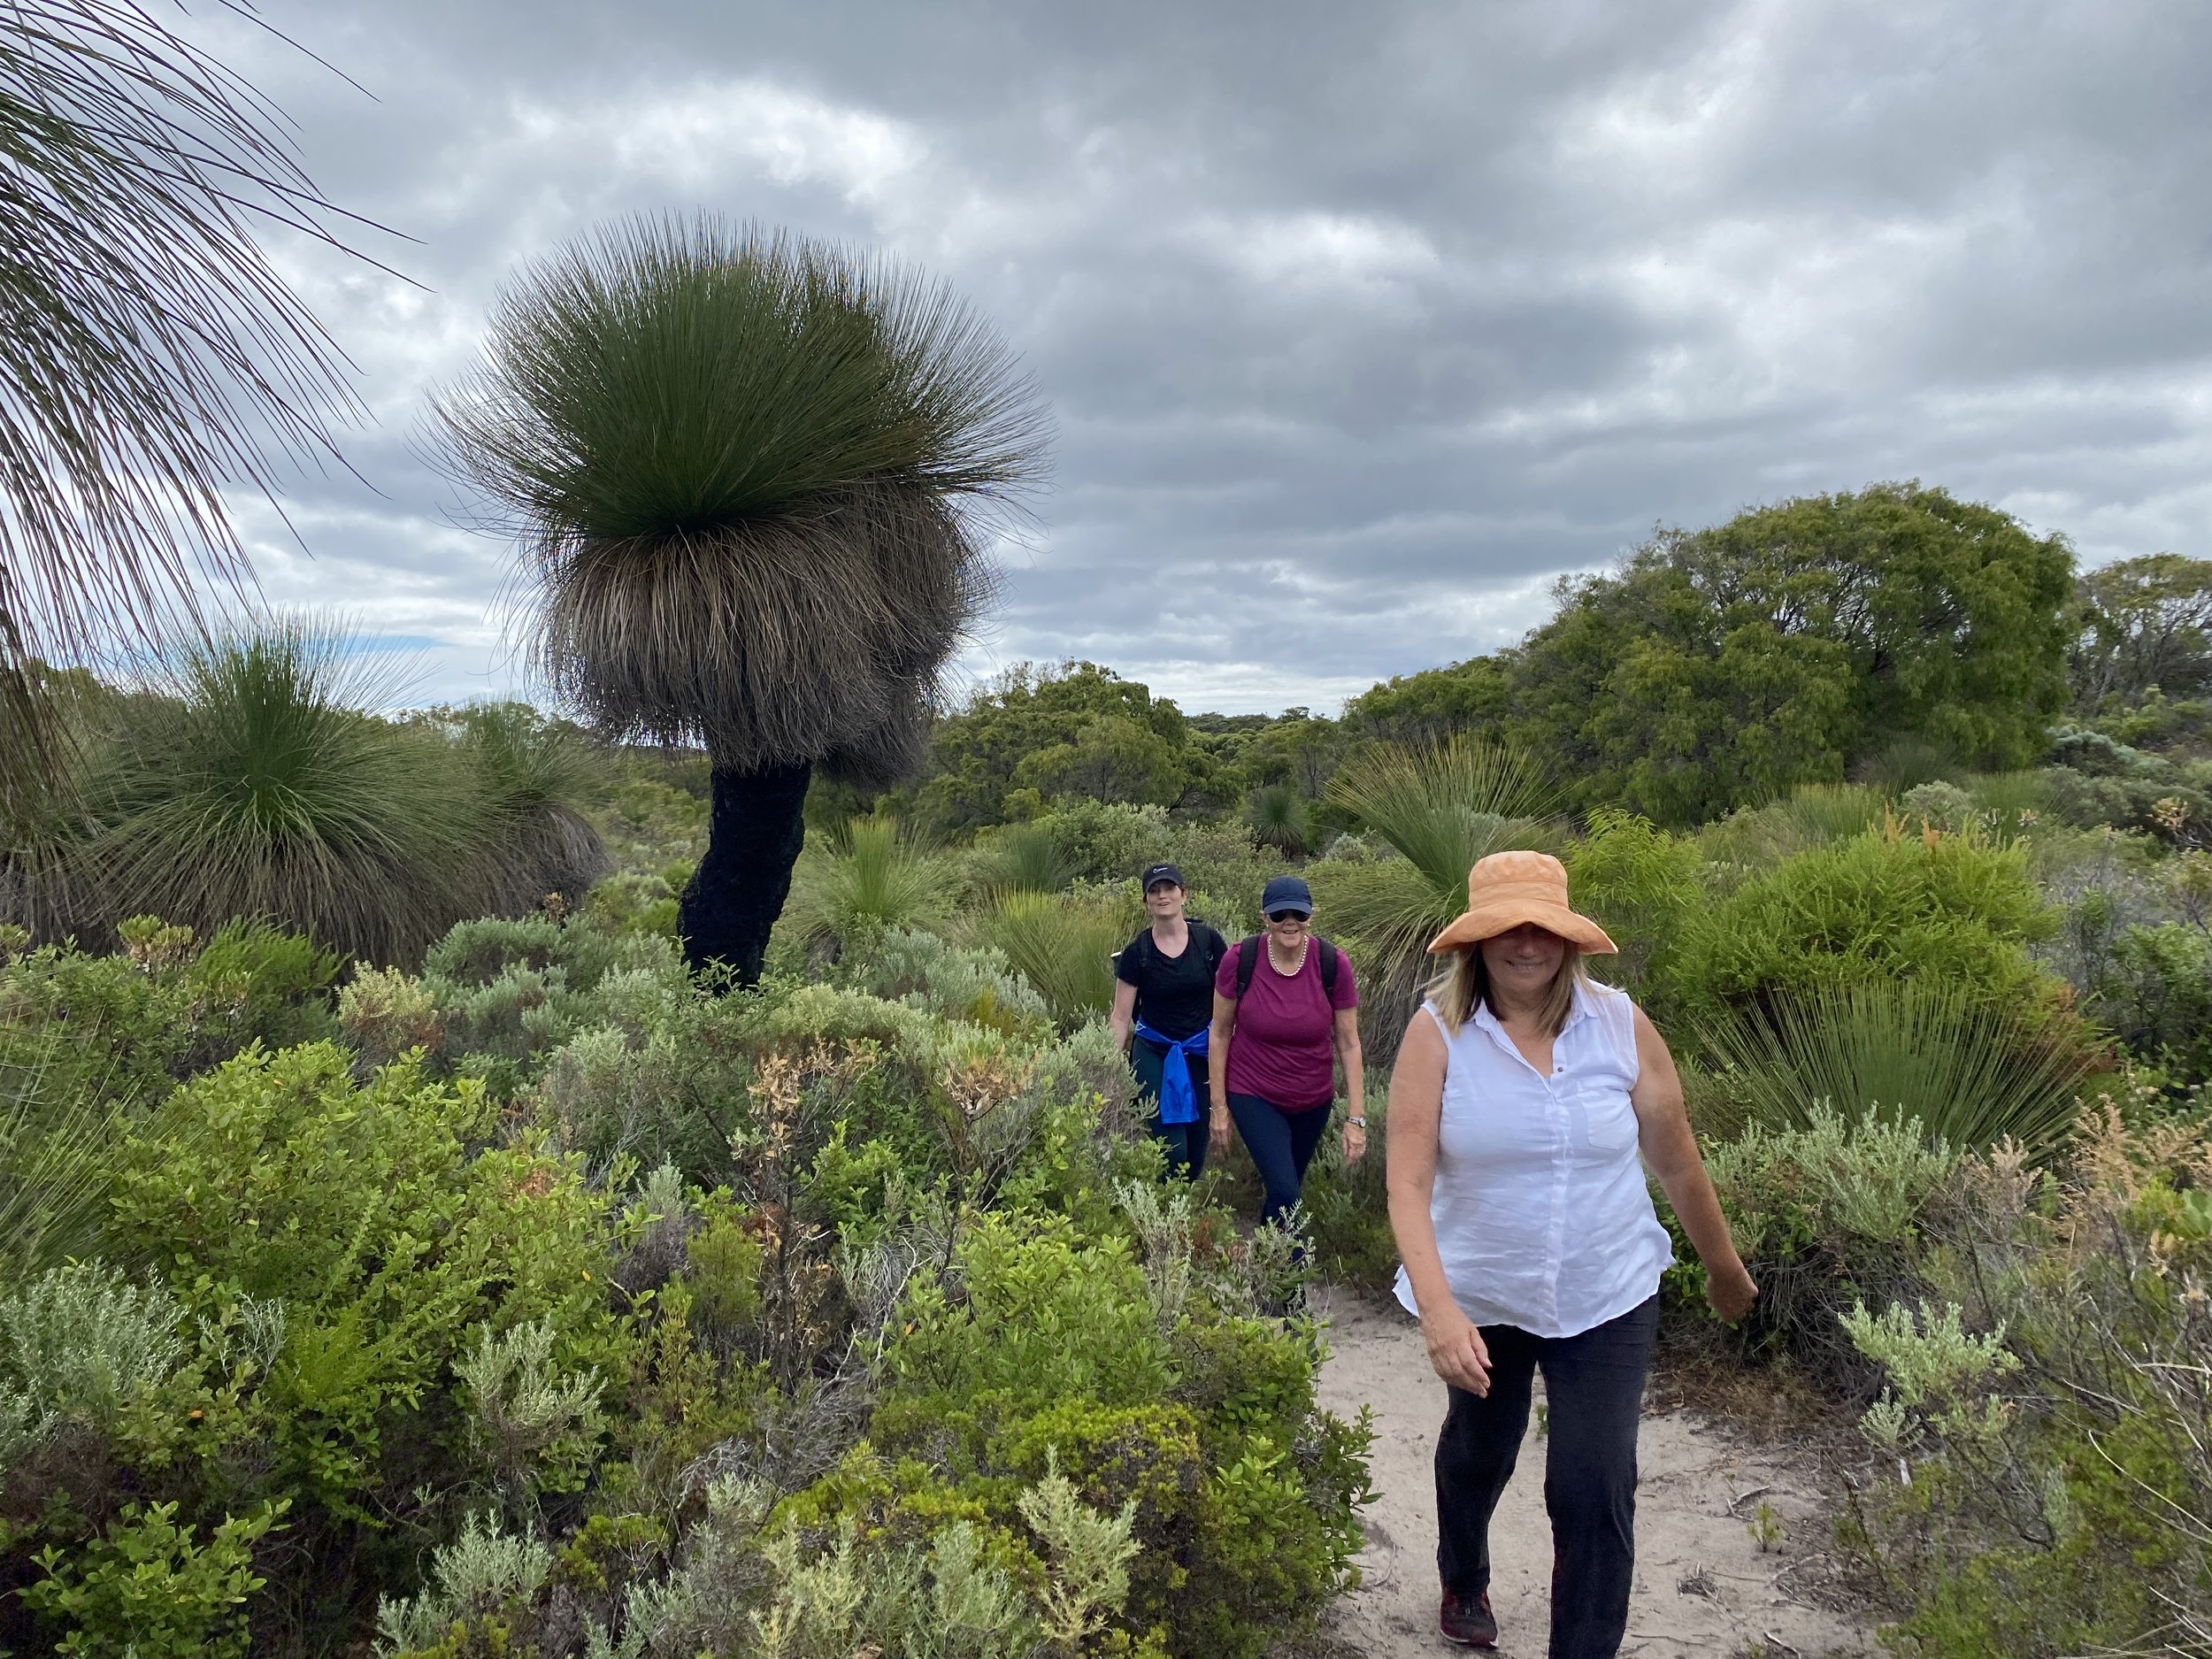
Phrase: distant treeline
(1825, 638)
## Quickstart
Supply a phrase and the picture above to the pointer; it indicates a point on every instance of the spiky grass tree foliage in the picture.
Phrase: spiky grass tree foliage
(534, 773)
(1901, 1049)
(873, 876)
(53, 1172)
(44, 887)
(745, 468)
(149, 355)
(1440, 808)
(1018, 858)
(260, 786)
(1278, 818)
(1063, 945)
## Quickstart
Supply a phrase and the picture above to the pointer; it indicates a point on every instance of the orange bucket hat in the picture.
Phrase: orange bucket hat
(1506, 889)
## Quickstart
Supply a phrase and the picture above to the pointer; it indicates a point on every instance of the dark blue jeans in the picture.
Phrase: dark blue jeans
(1281, 1144)
(1184, 1143)
(1593, 1383)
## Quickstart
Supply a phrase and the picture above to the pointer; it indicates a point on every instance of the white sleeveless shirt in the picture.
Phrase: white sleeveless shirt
(1543, 1217)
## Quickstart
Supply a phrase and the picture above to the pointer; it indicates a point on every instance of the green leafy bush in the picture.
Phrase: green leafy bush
(341, 1252)
(1884, 905)
(1141, 1380)
(148, 1587)
(1639, 882)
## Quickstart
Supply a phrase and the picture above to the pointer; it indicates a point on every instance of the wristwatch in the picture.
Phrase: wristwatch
(1359, 1122)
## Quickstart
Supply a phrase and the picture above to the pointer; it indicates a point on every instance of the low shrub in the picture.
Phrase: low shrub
(2038, 1469)
(329, 1256)
(1140, 1377)
(1826, 1216)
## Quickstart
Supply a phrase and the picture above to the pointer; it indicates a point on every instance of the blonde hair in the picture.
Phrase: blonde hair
(1464, 986)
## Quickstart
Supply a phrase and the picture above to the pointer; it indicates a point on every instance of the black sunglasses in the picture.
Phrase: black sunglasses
(1289, 915)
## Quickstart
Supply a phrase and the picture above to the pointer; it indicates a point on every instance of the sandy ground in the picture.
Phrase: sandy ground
(1704, 1587)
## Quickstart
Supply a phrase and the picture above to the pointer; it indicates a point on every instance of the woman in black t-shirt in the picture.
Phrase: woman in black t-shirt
(1163, 1006)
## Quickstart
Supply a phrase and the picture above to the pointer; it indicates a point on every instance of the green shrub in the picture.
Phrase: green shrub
(1811, 815)
(77, 1345)
(1639, 882)
(2156, 996)
(2038, 1469)
(1826, 1216)
(278, 982)
(148, 1588)
(974, 983)
(1884, 905)
(1145, 1383)
(334, 1247)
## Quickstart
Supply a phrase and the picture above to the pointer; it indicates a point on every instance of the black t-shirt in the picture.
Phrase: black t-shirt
(1175, 995)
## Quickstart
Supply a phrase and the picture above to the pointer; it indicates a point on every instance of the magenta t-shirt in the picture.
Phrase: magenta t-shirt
(1282, 1049)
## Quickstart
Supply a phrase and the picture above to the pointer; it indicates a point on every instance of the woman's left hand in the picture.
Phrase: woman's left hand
(1354, 1142)
(1731, 1291)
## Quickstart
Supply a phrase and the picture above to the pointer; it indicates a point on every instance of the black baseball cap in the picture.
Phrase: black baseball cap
(1158, 873)
(1286, 892)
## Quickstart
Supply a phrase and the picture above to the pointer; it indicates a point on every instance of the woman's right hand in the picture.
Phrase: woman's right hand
(1217, 1131)
(1456, 1348)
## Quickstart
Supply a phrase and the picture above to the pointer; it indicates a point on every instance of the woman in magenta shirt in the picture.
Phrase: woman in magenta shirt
(1282, 1023)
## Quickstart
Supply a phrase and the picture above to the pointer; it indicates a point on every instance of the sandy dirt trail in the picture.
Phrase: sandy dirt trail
(1704, 1587)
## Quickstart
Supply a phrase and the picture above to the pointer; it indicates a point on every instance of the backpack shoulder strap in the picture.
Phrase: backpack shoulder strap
(1140, 949)
(1247, 959)
(1328, 964)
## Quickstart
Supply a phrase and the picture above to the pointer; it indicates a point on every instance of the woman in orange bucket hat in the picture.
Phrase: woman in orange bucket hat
(1526, 1100)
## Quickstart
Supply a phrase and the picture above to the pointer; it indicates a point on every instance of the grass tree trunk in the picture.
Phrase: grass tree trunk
(755, 830)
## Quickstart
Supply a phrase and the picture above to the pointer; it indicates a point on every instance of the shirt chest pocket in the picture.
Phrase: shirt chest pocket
(1609, 1121)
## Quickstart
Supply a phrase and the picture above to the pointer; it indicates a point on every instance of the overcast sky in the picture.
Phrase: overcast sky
(1360, 322)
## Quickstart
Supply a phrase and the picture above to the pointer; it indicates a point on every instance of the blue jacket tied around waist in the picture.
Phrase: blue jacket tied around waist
(1178, 1100)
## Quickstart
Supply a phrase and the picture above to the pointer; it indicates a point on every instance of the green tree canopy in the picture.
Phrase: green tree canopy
(1073, 729)
(1432, 706)
(2139, 623)
(1723, 666)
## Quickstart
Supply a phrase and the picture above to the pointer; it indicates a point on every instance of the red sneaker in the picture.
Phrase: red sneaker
(1469, 1624)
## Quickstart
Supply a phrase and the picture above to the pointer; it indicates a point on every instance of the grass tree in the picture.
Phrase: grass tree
(150, 357)
(1277, 817)
(256, 783)
(1904, 1051)
(1440, 808)
(745, 468)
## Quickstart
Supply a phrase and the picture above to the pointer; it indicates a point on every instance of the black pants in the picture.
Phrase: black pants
(1281, 1144)
(1184, 1143)
(1594, 1385)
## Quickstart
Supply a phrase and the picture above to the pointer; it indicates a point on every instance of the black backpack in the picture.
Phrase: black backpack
(1248, 961)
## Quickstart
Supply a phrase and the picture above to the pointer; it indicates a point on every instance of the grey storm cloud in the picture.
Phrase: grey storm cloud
(1360, 324)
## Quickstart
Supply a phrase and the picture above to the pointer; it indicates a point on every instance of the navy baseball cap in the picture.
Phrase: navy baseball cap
(1158, 873)
(1286, 892)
